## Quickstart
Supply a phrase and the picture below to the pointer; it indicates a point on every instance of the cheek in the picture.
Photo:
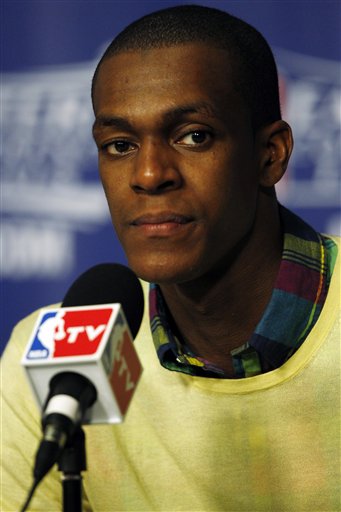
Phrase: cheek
(113, 187)
(230, 198)
(114, 200)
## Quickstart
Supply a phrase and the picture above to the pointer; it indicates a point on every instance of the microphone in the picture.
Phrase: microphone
(83, 353)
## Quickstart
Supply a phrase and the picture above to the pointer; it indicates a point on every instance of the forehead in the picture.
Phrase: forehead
(166, 73)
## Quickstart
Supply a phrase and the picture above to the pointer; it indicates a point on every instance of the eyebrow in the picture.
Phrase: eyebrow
(170, 116)
(201, 107)
(116, 121)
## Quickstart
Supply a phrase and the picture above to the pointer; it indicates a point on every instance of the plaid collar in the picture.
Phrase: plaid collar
(298, 296)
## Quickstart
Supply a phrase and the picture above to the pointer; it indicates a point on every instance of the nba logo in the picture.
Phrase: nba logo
(69, 332)
(43, 344)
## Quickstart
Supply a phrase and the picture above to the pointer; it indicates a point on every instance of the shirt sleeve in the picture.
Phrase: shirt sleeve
(21, 433)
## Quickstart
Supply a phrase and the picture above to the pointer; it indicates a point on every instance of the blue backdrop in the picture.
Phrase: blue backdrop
(55, 221)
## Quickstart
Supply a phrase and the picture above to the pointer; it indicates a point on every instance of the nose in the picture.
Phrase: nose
(155, 170)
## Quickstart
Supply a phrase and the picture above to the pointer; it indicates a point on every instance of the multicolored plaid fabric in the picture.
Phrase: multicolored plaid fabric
(298, 296)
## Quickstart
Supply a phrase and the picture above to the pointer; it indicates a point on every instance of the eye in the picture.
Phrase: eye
(196, 138)
(118, 147)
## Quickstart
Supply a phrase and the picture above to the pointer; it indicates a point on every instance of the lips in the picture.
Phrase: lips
(162, 224)
(161, 218)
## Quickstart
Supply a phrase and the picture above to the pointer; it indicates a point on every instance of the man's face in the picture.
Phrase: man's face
(177, 159)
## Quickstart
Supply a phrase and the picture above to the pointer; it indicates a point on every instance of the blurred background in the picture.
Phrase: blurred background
(55, 222)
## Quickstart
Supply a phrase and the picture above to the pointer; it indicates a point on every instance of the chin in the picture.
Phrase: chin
(162, 272)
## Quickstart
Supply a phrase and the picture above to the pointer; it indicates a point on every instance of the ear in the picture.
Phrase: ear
(276, 144)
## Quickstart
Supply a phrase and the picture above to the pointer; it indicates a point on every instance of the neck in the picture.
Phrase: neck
(219, 312)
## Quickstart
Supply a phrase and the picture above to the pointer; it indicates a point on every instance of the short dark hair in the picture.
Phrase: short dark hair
(255, 69)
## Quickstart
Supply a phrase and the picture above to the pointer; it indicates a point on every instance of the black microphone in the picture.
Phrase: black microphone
(109, 283)
(86, 387)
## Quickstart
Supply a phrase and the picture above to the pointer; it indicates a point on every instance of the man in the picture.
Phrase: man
(238, 406)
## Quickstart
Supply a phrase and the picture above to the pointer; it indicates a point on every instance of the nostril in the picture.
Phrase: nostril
(166, 185)
(137, 188)
(158, 189)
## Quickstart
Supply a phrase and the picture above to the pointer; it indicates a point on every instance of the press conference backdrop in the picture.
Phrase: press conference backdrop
(55, 221)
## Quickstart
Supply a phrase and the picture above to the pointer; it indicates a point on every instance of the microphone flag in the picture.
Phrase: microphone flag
(94, 341)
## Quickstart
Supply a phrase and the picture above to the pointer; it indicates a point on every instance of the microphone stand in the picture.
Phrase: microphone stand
(72, 462)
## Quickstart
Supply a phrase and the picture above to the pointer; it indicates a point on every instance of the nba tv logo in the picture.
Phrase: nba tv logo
(65, 333)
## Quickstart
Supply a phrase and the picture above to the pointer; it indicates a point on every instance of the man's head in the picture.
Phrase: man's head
(187, 163)
(255, 73)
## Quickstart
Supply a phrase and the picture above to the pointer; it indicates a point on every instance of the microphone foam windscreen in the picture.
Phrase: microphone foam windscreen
(109, 283)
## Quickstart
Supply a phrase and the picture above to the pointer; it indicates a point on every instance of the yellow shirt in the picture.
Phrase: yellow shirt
(264, 443)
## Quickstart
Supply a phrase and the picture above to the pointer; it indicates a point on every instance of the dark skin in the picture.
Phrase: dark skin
(190, 188)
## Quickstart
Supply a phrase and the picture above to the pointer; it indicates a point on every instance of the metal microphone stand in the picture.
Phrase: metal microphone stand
(72, 462)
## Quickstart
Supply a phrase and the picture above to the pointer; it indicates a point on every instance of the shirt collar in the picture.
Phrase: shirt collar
(298, 296)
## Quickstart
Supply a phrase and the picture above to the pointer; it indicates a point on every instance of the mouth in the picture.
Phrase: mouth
(161, 224)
